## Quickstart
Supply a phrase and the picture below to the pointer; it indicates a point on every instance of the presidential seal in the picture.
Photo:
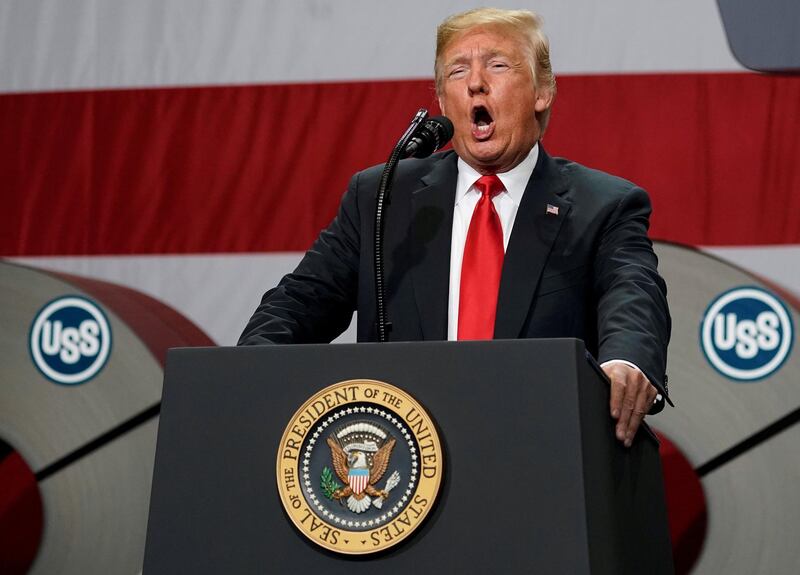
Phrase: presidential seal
(359, 467)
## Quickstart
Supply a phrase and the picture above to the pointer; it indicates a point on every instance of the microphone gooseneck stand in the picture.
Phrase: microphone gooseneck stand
(382, 201)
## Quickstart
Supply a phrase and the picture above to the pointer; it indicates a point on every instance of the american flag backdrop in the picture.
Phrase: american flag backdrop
(193, 149)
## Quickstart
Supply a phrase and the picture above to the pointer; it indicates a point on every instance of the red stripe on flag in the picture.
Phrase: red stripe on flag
(262, 168)
(719, 153)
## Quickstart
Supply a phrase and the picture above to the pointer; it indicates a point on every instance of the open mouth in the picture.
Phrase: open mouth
(482, 123)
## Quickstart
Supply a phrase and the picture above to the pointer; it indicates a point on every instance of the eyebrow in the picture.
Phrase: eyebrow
(486, 56)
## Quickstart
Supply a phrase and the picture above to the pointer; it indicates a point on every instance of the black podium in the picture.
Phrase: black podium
(534, 480)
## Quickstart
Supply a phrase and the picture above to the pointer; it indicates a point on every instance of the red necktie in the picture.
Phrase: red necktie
(482, 265)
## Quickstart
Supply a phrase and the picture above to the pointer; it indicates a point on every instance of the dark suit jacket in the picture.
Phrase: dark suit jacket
(588, 272)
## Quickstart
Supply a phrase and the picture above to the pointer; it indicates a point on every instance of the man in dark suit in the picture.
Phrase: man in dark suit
(496, 238)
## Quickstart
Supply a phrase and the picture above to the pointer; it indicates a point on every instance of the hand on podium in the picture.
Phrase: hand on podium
(632, 395)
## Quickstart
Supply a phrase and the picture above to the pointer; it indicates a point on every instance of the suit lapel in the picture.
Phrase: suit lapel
(431, 230)
(536, 228)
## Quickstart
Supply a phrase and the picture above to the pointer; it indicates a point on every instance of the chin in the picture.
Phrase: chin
(486, 155)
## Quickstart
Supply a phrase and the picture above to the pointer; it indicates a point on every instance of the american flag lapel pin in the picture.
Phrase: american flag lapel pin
(552, 210)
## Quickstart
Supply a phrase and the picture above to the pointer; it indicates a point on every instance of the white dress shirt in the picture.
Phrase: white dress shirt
(467, 195)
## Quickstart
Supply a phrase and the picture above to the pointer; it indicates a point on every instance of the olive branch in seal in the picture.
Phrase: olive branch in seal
(327, 482)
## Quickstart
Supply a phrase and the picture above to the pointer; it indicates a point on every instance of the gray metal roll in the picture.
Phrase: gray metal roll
(81, 371)
(738, 433)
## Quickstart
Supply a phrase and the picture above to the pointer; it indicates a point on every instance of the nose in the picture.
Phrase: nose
(476, 81)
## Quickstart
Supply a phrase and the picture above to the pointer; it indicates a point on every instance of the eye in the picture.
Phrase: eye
(497, 65)
(457, 72)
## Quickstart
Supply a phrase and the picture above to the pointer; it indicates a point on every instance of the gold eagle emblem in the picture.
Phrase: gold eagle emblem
(360, 465)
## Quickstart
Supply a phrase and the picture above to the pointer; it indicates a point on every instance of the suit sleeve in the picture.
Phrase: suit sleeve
(315, 303)
(632, 314)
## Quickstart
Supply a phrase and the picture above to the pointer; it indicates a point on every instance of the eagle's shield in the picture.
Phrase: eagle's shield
(358, 479)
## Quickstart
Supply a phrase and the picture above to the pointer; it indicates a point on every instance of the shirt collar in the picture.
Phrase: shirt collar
(515, 180)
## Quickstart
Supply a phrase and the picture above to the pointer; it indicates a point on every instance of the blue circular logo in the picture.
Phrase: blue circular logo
(746, 333)
(70, 340)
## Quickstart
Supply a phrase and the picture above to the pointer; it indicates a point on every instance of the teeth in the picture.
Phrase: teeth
(483, 128)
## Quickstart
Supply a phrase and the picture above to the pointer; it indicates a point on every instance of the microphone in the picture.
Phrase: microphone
(432, 135)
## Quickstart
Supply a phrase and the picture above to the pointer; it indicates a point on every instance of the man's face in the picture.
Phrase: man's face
(488, 92)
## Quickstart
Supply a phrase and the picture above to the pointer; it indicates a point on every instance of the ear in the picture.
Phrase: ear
(544, 99)
(441, 106)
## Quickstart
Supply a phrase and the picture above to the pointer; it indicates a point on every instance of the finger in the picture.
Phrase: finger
(644, 399)
(628, 402)
(617, 392)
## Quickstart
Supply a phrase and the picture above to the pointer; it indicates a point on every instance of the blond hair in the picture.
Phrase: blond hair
(523, 22)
